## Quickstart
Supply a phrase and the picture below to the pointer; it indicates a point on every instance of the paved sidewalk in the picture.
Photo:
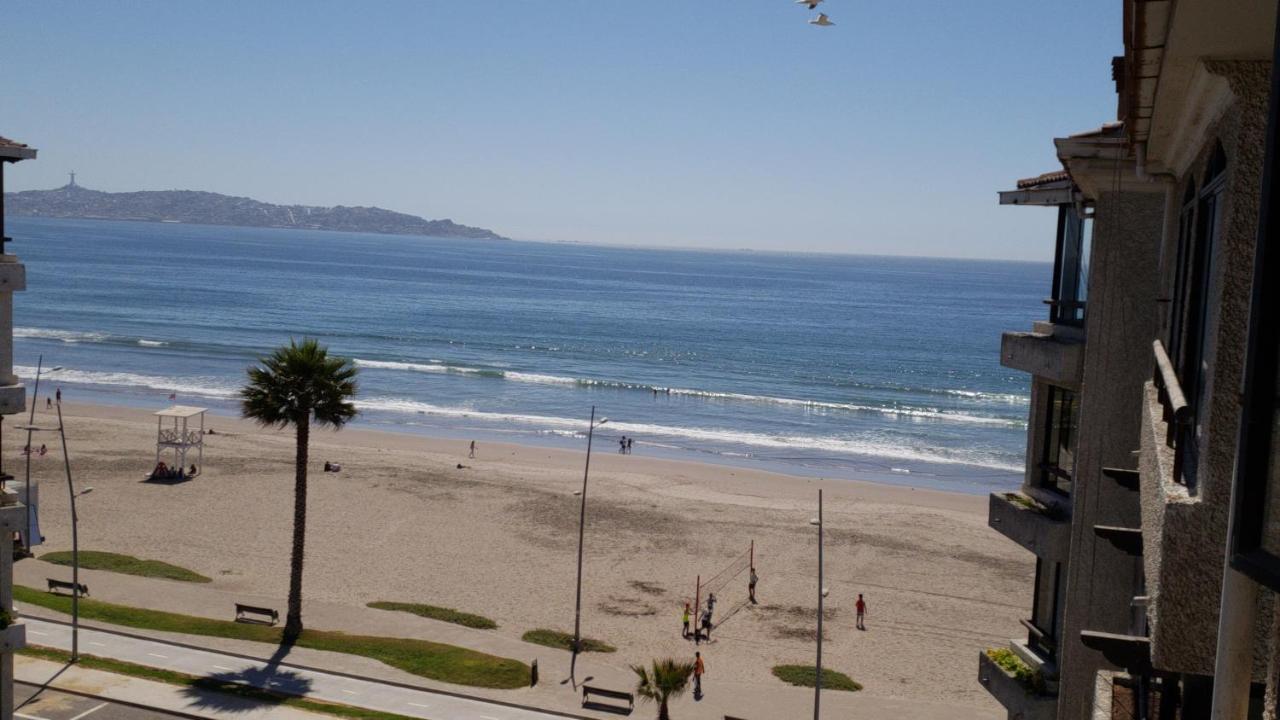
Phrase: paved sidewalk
(281, 677)
(109, 689)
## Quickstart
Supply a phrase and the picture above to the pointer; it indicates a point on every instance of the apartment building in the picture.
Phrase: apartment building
(12, 400)
(1154, 390)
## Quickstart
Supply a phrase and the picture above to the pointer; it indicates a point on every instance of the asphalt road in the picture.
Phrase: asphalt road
(50, 704)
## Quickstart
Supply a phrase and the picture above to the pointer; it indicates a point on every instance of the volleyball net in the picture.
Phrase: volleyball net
(728, 586)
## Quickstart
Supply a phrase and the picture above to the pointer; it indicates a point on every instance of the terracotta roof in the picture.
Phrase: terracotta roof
(13, 151)
(1044, 179)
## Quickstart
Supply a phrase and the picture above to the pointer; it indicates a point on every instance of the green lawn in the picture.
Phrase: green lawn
(564, 641)
(449, 615)
(126, 564)
(437, 661)
(170, 677)
(804, 675)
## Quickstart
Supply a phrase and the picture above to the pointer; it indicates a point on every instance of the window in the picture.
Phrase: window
(1199, 231)
(1058, 464)
(1045, 610)
(1070, 267)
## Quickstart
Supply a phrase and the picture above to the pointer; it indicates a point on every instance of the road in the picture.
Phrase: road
(413, 702)
(49, 704)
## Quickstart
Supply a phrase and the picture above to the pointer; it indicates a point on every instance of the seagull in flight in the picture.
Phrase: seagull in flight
(810, 3)
(821, 20)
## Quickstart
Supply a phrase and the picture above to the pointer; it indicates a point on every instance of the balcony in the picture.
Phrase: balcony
(1051, 351)
(1019, 696)
(1036, 527)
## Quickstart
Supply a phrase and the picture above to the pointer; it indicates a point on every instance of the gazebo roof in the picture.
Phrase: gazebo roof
(181, 411)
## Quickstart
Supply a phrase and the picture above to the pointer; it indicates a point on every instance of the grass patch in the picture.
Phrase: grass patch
(126, 564)
(226, 687)
(449, 615)
(1030, 679)
(804, 675)
(437, 661)
(564, 641)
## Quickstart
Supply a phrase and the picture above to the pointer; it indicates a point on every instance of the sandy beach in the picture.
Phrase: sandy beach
(498, 538)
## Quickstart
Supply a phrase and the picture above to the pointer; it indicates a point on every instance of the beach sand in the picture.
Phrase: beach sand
(498, 538)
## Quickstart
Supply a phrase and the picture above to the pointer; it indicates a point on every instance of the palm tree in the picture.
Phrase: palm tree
(669, 678)
(299, 385)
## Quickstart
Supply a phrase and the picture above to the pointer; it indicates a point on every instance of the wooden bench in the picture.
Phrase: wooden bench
(242, 610)
(603, 692)
(55, 585)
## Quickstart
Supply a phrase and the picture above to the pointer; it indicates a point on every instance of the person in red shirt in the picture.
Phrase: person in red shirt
(861, 606)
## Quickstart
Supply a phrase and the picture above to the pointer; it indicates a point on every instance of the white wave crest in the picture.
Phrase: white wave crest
(714, 436)
(67, 336)
(203, 387)
(152, 343)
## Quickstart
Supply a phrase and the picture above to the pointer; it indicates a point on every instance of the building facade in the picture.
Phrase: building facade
(1162, 593)
(12, 400)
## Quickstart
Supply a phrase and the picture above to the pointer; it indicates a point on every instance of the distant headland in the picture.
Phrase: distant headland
(208, 208)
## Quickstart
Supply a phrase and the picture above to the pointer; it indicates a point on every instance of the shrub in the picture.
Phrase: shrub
(1031, 679)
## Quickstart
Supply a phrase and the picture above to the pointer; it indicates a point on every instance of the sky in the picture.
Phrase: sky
(709, 124)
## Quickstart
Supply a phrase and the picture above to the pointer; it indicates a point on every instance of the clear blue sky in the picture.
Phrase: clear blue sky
(698, 124)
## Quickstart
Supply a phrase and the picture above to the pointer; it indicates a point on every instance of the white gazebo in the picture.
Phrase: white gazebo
(180, 437)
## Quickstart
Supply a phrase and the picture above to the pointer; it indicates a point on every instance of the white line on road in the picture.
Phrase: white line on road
(419, 705)
(36, 632)
(351, 692)
(223, 667)
(27, 717)
(90, 710)
(97, 643)
(163, 657)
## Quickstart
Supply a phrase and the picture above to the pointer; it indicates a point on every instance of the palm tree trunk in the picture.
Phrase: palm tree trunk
(293, 622)
(663, 713)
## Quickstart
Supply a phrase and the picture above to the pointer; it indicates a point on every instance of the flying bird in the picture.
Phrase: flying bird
(810, 3)
(821, 20)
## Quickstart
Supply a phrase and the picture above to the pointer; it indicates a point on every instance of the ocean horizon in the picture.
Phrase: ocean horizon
(842, 366)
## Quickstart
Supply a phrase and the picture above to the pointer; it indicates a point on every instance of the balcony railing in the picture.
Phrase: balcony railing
(1065, 311)
(1177, 414)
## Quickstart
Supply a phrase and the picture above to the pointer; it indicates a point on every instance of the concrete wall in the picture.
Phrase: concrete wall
(1185, 533)
(1101, 579)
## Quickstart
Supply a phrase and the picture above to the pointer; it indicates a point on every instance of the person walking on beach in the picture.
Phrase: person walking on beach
(622, 445)
(751, 586)
(698, 669)
(684, 620)
(473, 450)
(48, 403)
(59, 396)
(861, 607)
(629, 441)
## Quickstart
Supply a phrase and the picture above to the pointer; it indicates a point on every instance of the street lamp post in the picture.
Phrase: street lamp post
(822, 593)
(75, 545)
(582, 524)
(35, 396)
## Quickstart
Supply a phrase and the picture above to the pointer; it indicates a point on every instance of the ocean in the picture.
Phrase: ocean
(877, 368)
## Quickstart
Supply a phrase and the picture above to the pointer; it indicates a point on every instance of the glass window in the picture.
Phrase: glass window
(1059, 465)
(1071, 267)
(1045, 608)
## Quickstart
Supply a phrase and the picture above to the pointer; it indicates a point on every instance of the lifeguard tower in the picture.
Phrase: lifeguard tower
(180, 437)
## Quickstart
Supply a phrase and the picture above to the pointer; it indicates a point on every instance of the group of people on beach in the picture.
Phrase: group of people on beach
(624, 445)
(163, 472)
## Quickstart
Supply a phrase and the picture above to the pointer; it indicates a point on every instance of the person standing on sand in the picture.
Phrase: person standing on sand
(751, 585)
(473, 450)
(706, 624)
(48, 403)
(622, 445)
(629, 441)
(684, 619)
(59, 396)
(861, 607)
(698, 669)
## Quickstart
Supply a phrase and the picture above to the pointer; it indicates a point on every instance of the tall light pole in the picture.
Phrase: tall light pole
(582, 524)
(822, 593)
(75, 545)
(35, 397)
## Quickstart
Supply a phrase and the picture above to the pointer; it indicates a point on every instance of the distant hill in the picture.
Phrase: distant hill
(207, 208)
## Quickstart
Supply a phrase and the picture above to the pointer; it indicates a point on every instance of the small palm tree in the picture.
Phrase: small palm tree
(299, 385)
(667, 679)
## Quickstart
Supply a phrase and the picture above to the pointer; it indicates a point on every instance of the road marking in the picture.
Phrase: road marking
(36, 632)
(351, 692)
(220, 667)
(97, 643)
(419, 705)
(90, 710)
(27, 717)
(163, 657)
